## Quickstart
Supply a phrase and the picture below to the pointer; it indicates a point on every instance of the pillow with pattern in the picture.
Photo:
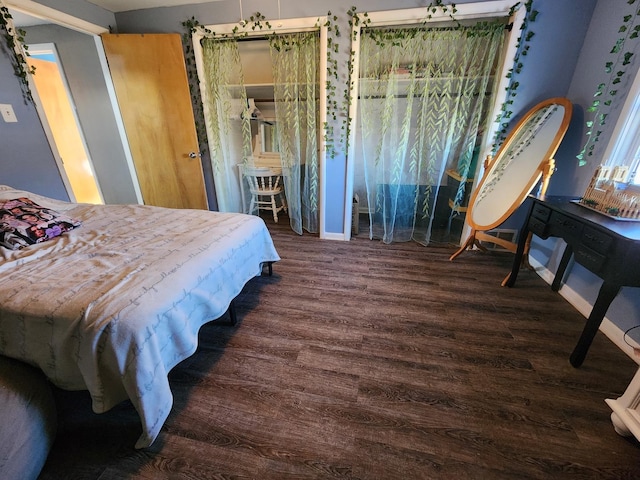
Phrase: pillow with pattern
(23, 222)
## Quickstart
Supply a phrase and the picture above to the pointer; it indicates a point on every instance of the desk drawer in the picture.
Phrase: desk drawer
(539, 227)
(596, 240)
(589, 258)
(541, 212)
(562, 226)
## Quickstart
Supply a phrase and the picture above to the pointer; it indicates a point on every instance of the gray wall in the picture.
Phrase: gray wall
(559, 32)
(81, 64)
(570, 179)
(26, 161)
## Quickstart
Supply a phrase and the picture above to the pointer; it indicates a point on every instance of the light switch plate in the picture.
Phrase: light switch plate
(8, 115)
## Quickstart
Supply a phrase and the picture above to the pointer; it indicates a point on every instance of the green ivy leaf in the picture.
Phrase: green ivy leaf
(617, 46)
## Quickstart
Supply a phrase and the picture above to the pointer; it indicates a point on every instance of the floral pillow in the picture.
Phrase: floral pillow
(24, 222)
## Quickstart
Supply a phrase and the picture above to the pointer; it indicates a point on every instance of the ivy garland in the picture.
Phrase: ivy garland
(449, 10)
(192, 26)
(333, 76)
(522, 49)
(14, 45)
(607, 91)
(259, 22)
(335, 109)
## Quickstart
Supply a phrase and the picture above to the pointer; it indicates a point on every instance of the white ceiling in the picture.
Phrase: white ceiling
(125, 5)
(24, 20)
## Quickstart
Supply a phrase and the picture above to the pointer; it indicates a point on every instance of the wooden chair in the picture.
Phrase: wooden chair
(265, 185)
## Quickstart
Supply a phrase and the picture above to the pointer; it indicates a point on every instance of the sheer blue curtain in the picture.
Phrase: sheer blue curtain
(228, 125)
(425, 94)
(295, 60)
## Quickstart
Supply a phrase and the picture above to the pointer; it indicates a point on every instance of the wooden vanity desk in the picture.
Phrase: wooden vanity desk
(607, 247)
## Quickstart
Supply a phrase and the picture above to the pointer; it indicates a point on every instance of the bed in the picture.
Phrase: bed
(113, 302)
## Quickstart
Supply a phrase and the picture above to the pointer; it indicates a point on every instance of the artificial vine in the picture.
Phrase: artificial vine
(14, 45)
(334, 140)
(192, 26)
(259, 22)
(522, 49)
(606, 91)
(449, 10)
(363, 19)
(333, 76)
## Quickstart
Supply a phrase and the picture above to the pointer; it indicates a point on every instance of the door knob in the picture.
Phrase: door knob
(194, 154)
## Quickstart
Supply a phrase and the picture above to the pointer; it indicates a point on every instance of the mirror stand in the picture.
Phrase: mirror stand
(476, 236)
(524, 158)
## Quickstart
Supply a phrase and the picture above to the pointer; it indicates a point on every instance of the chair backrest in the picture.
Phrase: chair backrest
(263, 179)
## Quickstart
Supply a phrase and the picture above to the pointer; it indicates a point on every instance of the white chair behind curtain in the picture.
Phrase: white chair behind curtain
(422, 108)
(295, 60)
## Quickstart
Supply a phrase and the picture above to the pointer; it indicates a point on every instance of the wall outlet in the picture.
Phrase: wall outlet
(8, 115)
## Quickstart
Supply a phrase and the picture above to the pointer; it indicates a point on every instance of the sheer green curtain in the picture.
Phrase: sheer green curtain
(296, 82)
(425, 95)
(228, 125)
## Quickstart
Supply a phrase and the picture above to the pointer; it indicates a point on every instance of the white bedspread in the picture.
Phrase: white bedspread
(112, 306)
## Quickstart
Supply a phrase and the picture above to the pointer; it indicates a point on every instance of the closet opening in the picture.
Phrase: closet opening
(426, 93)
(263, 97)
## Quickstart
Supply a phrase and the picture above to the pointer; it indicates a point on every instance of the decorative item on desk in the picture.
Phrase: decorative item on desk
(610, 193)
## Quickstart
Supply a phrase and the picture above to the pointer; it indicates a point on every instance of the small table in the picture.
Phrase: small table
(607, 247)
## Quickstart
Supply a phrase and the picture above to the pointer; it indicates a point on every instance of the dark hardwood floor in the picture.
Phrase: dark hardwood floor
(358, 360)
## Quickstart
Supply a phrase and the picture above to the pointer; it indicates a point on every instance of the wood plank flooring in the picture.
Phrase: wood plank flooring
(358, 360)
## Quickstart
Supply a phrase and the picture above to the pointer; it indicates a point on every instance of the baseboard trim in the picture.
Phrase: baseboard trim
(333, 236)
(608, 328)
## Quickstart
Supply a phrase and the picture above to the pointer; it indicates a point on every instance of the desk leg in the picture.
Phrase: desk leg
(606, 295)
(564, 261)
(523, 242)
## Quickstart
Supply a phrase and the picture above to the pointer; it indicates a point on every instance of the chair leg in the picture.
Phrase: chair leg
(274, 208)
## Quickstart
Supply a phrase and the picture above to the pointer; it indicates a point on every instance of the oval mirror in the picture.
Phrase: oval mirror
(524, 157)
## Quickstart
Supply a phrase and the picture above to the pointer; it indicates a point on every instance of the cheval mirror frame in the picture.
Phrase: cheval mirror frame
(525, 156)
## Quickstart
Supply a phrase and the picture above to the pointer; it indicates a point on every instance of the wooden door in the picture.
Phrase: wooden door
(151, 85)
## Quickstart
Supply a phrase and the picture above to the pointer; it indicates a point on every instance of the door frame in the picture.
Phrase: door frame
(50, 48)
(410, 16)
(292, 25)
